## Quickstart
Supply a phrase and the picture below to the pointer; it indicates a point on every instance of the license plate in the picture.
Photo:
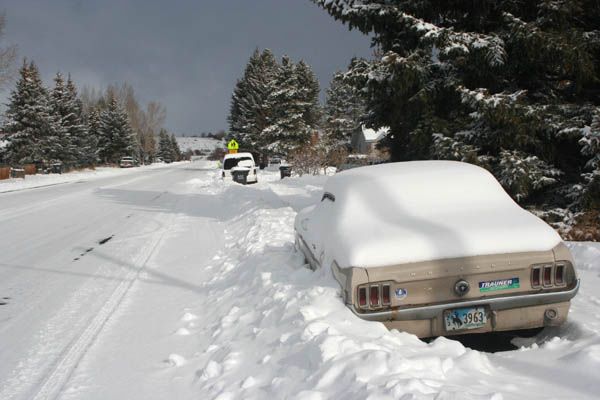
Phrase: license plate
(465, 318)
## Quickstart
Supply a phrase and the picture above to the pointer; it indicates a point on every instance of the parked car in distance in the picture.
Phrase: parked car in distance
(231, 161)
(127, 162)
(437, 248)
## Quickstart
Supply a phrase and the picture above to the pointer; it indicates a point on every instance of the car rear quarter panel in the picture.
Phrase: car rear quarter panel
(433, 282)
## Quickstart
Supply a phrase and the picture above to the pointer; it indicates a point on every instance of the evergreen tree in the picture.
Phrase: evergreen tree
(116, 136)
(287, 128)
(91, 145)
(505, 81)
(308, 94)
(165, 146)
(249, 113)
(345, 110)
(31, 128)
(175, 150)
(66, 148)
(85, 143)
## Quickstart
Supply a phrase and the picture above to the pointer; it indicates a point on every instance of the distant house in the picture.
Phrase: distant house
(366, 140)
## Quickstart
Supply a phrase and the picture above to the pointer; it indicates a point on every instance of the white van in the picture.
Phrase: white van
(239, 161)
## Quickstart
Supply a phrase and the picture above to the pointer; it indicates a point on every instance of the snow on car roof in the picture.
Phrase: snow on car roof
(237, 155)
(425, 210)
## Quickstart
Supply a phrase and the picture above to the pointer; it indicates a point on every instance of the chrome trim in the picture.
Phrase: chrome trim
(495, 304)
(312, 261)
(551, 268)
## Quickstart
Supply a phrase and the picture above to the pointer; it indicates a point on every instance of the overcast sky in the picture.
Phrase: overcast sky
(185, 54)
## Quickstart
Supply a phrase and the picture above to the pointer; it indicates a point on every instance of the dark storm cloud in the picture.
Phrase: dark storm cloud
(186, 54)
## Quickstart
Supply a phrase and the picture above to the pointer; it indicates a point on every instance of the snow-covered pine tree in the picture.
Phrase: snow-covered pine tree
(31, 128)
(518, 77)
(175, 150)
(287, 128)
(116, 136)
(249, 113)
(165, 148)
(86, 144)
(91, 145)
(308, 94)
(66, 148)
(344, 111)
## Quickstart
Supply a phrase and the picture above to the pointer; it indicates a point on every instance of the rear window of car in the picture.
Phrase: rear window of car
(232, 162)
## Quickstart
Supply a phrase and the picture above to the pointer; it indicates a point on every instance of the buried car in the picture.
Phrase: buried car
(437, 248)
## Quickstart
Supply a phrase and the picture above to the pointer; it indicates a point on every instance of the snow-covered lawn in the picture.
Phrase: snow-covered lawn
(199, 294)
(227, 310)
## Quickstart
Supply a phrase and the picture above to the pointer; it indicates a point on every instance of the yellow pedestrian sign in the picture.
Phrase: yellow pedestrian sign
(233, 146)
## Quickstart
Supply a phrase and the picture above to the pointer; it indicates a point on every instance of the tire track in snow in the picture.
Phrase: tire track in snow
(59, 373)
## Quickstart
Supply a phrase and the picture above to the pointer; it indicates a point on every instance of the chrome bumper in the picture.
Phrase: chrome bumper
(495, 304)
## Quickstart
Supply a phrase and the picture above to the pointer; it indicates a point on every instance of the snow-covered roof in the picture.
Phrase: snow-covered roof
(422, 210)
(372, 135)
(238, 155)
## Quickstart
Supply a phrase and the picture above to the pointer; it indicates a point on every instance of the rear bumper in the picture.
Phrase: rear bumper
(494, 304)
(226, 175)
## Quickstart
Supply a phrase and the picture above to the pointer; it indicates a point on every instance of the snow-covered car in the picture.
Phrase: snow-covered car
(244, 161)
(127, 162)
(437, 248)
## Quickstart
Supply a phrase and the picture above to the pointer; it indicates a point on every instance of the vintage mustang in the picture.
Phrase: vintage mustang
(437, 248)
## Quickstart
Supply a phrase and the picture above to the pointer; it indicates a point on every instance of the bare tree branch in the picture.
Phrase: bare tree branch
(7, 56)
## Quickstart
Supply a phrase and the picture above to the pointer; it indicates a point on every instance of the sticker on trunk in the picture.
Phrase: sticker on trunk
(499, 284)
(401, 293)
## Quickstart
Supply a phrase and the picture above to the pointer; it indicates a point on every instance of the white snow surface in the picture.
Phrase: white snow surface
(42, 180)
(417, 211)
(201, 295)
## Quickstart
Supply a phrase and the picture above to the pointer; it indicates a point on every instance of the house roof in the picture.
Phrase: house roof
(372, 135)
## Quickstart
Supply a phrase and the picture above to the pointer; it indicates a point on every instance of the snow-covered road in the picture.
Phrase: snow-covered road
(168, 283)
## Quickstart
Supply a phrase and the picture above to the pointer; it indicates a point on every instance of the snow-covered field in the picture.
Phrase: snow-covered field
(199, 294)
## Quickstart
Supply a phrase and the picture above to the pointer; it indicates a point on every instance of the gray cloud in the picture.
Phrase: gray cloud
(186, 54)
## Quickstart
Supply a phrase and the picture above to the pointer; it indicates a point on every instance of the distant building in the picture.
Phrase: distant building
(366, 140)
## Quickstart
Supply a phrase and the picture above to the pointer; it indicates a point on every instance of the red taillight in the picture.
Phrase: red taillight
(559, 275)
(385, 295)
(535, 277)
(362, 296)
(548, 275)
(374, 296)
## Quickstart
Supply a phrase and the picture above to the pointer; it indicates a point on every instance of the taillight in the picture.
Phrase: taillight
(535, 277)
(385, 295)
(547, 275)
(559, 275)
(362, 296)
(374, 296)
